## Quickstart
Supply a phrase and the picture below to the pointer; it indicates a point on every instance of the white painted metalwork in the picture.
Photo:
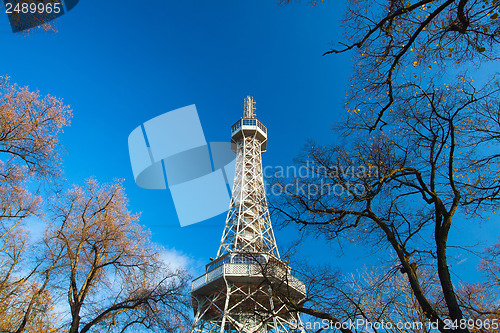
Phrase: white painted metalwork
(249, 107)
(247, 288)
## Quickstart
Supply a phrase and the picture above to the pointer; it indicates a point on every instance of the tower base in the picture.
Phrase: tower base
(244, 308)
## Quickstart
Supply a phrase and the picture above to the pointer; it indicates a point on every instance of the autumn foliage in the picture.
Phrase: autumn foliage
(95, 268)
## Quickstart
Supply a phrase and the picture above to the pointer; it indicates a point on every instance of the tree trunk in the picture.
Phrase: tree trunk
(441, 237)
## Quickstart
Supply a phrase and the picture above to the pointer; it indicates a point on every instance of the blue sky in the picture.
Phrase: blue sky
(119, 64)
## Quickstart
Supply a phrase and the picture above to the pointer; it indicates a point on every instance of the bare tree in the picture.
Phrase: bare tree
(402, 187)
(94, 251)
(30, 124)
(491, 265)
(29, 146)
(417, 148)
(29, 153)
(397, 39)
(112, 276)
(369, 298)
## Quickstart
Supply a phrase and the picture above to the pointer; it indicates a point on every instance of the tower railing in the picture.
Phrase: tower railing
(248, 122)
(253, 270)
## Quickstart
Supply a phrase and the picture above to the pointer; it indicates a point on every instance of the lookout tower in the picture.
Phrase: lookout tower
(247, 287)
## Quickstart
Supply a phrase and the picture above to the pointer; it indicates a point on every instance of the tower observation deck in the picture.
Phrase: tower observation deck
(247, 288)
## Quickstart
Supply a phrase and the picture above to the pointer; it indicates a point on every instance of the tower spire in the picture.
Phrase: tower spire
(249, 108)
(236, 293)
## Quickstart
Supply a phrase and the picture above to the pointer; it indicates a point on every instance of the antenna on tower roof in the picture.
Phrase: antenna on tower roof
(249, 108)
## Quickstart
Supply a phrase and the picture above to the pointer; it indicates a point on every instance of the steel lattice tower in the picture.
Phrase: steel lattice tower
(247, 287)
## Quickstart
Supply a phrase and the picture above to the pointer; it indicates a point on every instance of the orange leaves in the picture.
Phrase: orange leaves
(12, 308)
(101, 241)
(30, 127)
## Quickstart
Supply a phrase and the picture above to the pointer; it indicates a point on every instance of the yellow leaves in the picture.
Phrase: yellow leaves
(415, 64)
(353, 111)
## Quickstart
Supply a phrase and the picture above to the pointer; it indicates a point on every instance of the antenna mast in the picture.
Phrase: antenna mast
(249, 108)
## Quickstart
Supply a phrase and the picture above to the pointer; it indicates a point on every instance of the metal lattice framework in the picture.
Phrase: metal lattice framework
(247, 288)
(248, 225)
